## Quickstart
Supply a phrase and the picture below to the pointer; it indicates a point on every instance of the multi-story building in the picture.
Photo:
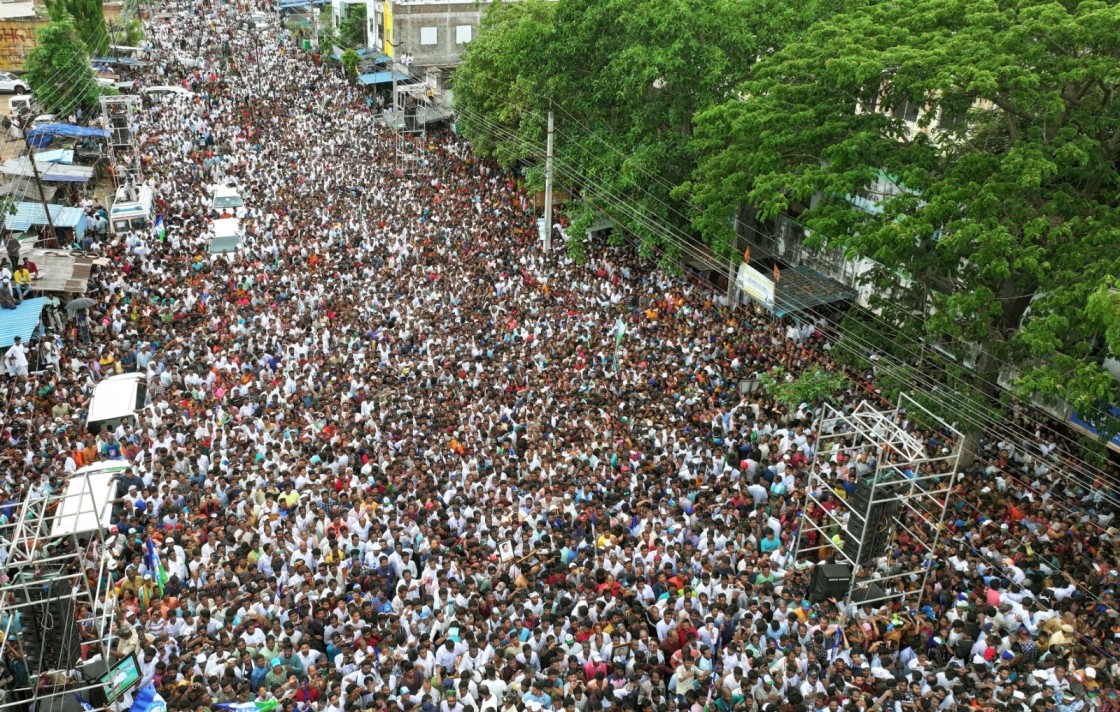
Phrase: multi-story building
(431, 33)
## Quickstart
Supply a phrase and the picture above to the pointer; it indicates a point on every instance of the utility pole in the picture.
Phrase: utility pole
(548, 189)
(315, 27)
(52, 238)
(731, 282)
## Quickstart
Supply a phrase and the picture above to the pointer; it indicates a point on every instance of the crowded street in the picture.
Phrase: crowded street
(397, 457)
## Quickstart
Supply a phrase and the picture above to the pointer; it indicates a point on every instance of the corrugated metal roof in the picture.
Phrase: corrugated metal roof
(49, 171)
(28, 214)
(381, 77)
(20, 321)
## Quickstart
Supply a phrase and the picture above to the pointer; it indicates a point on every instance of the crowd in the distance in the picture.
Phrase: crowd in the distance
(392, 463)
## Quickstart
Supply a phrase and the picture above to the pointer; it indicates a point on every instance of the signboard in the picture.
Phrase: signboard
(120, 678)
(756, 285)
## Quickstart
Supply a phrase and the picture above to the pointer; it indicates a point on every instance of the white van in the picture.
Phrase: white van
(225, 236)
(19, 104)
(131, 210)
(115, 400)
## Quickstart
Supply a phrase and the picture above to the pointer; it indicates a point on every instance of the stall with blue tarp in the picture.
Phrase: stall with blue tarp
(20, 321)
(42, 135)
(384, 77)
(28, 214)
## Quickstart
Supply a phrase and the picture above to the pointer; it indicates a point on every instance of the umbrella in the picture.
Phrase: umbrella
(79, 303)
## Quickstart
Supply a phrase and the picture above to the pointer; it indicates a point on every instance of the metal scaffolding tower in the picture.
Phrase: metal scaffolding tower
(886, 523)
(120, 113)
(53, 617)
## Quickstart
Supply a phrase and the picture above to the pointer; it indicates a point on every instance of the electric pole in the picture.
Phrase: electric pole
(52, 239)
(548, 189)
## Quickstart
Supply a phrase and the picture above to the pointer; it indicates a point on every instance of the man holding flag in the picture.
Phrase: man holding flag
(155, 567)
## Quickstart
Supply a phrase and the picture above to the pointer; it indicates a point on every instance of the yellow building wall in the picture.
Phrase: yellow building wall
(17, 39)
(387, 14)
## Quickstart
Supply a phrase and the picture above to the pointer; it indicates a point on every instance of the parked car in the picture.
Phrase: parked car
(12, 83)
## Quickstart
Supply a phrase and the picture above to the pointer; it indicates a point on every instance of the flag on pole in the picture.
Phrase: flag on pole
(160, 228)
(777, 274)
(156, 566)
(747, 256)
(84, 703)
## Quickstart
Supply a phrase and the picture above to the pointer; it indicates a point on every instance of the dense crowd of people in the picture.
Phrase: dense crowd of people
(398, 458)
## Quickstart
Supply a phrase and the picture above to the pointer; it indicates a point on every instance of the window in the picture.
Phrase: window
(428, 35)
(906, 110)
(463, 34)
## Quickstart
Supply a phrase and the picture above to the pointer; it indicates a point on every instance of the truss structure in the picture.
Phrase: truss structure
(120, 113)
(898, 489)
(51, 592)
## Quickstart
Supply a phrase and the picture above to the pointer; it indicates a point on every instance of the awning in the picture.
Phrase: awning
(28, 214)
(337, 53)
(67, 131)
(294, 4)
(800, 288)
(124, 61)
(1088, 425)
(23, 190)
(383, 77)
(58, 155)
(20, 321)
(47, 171)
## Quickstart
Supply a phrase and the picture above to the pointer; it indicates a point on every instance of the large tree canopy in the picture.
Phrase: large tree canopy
(625, 80)
(89, 21)
(58, 70)
(1005, 221)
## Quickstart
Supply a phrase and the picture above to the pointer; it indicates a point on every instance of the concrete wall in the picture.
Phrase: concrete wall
(17, 39)
(414, 22)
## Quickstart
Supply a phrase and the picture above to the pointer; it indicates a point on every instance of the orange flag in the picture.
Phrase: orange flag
(747, 256)
(777, 275)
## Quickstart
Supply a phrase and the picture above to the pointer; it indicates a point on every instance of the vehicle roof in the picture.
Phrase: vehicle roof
(226, 227)
(114, 397)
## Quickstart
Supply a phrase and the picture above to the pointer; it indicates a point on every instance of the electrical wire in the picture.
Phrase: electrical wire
(978, 414)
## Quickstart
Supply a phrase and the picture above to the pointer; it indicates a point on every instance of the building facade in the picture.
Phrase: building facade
(433, 33)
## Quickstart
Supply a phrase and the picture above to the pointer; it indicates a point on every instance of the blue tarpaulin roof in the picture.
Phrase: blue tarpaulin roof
(28, 214)
(127, 61)
(381, 77)
(20, 321)
(337, 53)
(67, 130)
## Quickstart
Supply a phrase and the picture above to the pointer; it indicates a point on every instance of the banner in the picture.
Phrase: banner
(756, 285)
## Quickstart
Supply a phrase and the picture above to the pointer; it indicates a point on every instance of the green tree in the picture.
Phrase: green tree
(353, 27)
(89, 21)
(1005, 218)
(625, 80)
(327, 40)
(58, 70)
(812, 387)
(350, 60)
